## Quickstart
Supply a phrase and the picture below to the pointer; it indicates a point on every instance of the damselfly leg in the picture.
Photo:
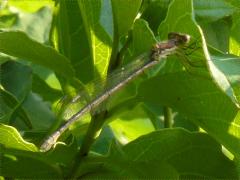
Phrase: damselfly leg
(192, 47)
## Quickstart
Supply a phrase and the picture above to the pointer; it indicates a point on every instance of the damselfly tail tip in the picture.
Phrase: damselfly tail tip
(49, 142)
(46, 146)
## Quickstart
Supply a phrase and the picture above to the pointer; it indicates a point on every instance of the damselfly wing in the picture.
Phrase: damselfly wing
(120, 78)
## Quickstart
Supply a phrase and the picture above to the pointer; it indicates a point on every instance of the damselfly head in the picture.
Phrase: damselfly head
(178, 38)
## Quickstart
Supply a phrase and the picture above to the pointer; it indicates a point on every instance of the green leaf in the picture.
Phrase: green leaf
(62, 154)
(35, 25)
(70, 38)
(30, 6)
(11, 138)
(101, 145)
(16, 82)
(217, 33)
(130, 124)
(212, 10)
(38, 111)
(143, 37)
(229, 65)
(198, 99)
(170, 153)
(179, 12)
(18, 44)
(42, 88)
(27, 165)
(11, 108)
(235, 3)
(220, 78)
(234, 46)
(98, 37)
(124, 13)
(16, 78)
(155, 13)
(184, 122)
(7, 20)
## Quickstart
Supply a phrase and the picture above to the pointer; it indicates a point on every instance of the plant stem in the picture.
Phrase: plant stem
(92, 132)
(168, 118)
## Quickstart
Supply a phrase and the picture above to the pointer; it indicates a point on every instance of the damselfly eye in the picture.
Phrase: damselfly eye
(185, 38)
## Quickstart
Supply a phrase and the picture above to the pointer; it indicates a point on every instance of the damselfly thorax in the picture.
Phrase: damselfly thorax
(163, 49)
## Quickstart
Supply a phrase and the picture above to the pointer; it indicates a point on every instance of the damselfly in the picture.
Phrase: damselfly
(158, 52)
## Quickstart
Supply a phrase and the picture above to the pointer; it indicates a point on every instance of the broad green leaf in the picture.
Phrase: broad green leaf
(27, 165)
(62, 154)
(229, 65)
(200, 100)
(182, 121)
(131, 124)
(155, 115)
(7, 102)
(179, 12)
(10, 138)
(98, 37)
(35, 25)
(212, 10)
(39, 112)
(4, 58)
(7, 20)
(234, 46)
(70, 38)
(42, 88)
(18, 44)
(48, 77)
(155, 13)
(170, 153)
(235, 3)
(124, 13)
(16, 82)
(11, 108)
(143, 37)
(102, 143)
(30, 6)
(220, 78)
(16, 78)
(217, 33)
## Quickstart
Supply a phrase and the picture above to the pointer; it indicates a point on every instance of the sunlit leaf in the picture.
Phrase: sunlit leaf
(98, 38)
(12, 139)
(16, 43)
(168, 153)
(212, 10)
